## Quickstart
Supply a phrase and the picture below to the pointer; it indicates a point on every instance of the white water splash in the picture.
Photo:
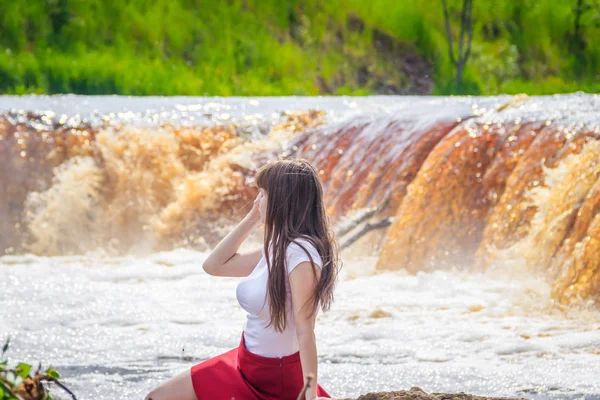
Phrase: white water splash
(117, 327)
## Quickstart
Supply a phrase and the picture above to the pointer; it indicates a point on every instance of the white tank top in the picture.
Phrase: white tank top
(251, 293)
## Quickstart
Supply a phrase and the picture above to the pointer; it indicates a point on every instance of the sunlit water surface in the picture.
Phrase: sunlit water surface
(117, 327)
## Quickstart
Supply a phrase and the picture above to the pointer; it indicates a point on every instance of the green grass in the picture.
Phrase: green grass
(279, 47)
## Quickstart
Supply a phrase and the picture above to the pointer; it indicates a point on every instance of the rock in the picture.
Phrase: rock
(416, 393)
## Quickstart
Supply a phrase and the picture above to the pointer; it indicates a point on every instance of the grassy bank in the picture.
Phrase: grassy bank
(279, 47)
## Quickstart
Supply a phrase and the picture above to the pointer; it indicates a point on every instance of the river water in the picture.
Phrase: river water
(118, 319)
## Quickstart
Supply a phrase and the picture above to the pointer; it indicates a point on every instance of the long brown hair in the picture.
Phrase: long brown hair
(295, 210)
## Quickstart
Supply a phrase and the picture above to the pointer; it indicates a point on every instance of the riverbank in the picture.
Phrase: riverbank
(175, 47)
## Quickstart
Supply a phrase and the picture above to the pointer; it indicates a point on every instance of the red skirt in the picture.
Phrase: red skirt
(242, 375)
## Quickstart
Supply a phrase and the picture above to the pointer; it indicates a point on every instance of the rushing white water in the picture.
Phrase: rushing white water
(117, 327)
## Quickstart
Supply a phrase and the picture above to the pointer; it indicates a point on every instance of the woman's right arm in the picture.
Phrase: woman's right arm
(224, 260)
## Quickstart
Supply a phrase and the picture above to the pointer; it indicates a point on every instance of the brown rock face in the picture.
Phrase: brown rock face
(514, 188)
(511, 195)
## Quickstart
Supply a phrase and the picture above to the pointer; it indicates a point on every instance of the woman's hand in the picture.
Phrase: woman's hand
(254, 214)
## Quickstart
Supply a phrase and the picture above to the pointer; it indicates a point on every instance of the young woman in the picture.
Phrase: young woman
(282, 294)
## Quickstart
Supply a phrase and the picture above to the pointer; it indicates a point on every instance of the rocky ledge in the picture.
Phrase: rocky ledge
(416, 393)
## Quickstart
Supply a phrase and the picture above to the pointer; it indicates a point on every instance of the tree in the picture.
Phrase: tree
(582, 12)
(464, 43)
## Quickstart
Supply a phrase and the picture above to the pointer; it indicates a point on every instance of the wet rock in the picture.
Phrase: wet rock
(416, 393)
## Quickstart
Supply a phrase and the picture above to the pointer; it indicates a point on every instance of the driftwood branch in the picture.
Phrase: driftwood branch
(385, 222)
(363, 215)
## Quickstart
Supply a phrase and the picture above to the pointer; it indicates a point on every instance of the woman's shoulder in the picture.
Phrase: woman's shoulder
(299, 242)
(295, 252)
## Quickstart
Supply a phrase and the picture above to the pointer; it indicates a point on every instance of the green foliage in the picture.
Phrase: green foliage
(286, 47)
(12, 378)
